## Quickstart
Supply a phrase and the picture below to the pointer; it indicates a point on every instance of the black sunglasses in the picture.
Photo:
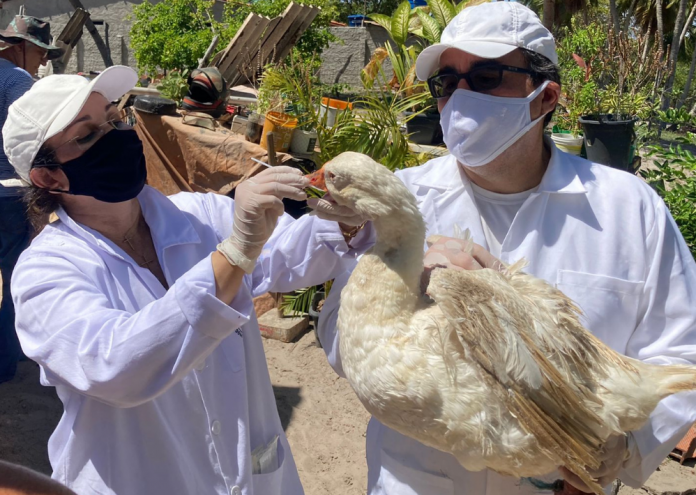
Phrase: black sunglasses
(481, 78)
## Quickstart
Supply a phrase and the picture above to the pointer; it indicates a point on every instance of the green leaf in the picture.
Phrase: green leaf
(299, 302)
(443, 11)
(461, 6)
(383, 20)
(400, 22)
(431, 29)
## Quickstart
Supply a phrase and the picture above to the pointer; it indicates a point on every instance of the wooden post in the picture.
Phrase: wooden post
(206, 56)
(270, 145)
(92, 30)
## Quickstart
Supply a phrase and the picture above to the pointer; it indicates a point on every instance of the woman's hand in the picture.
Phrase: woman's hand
(458, 254)
(257, 206)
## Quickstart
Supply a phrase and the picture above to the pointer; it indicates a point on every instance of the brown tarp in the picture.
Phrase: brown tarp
(182, 157)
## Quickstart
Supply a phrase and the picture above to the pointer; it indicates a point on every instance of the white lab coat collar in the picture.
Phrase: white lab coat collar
(177, 229)
(560, 176)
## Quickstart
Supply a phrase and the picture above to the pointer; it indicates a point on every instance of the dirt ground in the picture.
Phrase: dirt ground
(324, 422)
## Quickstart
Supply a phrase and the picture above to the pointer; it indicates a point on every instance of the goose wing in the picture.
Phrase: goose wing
(528, 341)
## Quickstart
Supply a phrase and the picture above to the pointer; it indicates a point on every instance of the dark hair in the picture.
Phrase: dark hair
(544, 70)
(41, 203)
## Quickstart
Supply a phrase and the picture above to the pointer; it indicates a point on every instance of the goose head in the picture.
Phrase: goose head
(358, 182)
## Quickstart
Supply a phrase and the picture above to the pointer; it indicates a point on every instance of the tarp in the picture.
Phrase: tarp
(182, 157)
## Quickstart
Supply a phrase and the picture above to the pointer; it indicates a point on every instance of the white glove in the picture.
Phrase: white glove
(616, 453)
(257, 206)
(327, 210)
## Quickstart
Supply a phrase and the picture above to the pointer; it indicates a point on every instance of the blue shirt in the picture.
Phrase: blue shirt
(14, 82)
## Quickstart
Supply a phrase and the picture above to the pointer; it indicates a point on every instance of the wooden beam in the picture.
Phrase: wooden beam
(250, 22)
(249, 45)
(270, 41)
(92, 30)
(293, 38)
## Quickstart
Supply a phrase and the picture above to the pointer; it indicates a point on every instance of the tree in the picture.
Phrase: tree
(614, 15)
(674, 52)
(549, 13)
(660, 35)
(172, 34)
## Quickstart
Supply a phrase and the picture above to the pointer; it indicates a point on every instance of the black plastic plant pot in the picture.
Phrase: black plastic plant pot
(609, 139)
(424, 129)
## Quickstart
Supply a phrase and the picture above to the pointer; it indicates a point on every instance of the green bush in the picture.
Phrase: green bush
(172, 34)
(674, 179)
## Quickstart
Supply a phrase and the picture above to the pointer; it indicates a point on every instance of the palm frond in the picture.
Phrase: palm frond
(298, 303)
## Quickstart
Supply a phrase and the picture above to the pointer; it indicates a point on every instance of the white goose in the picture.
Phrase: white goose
(494, 368)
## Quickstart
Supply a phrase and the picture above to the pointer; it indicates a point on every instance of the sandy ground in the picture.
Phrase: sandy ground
(324, 422)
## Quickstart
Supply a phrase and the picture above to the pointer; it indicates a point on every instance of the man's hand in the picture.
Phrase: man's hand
(615, 453)
(458, 254)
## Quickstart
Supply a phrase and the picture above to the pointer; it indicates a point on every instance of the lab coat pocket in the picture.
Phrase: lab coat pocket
(233, 347)
(272, 482)
(609, 305)
(398, 479)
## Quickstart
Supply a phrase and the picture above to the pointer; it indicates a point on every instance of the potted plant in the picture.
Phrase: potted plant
(608, 85)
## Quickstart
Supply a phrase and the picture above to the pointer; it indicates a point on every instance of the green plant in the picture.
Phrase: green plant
(674, 179)
(606, 72)
(174, 85)
(374, 128)
(172, 34)
(292, 87)
(298, 302)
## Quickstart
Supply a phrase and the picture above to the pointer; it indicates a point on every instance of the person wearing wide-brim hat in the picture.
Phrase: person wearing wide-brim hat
(24, 46)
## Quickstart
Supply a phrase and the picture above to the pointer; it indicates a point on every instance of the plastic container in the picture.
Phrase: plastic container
(356, 20)
(418, 3)
(568, 142)
(424, 129)
(332, 107)
(610, 139)
(282, 126)
(303, 142)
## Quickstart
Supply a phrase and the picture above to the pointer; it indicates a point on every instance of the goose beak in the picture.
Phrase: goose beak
(317, 180)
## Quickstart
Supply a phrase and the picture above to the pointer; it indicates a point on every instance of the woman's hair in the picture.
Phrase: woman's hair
(40, 202)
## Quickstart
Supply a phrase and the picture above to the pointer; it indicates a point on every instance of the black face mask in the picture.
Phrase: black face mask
(112, 170)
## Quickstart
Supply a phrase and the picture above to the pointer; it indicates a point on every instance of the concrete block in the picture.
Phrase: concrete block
(274, 326)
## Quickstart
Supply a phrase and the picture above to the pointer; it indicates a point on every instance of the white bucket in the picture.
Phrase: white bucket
(303, 142)
(567, 142)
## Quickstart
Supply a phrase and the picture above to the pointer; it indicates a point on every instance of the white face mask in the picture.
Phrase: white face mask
(477, 128)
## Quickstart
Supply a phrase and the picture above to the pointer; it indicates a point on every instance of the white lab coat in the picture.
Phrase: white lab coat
(606, 240)
(166, 392)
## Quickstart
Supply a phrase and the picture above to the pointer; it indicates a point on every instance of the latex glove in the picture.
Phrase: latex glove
(458, 254)
(616, 451)
(328, 210)
(257, 206)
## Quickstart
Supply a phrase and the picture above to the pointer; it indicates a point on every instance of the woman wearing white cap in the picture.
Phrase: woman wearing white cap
(150, 340)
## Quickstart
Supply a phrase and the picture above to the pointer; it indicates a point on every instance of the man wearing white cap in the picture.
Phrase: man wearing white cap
(600, 235)
(138, 307)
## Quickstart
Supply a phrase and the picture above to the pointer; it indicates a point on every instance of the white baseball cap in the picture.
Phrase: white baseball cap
(490, 30)
(50, 106)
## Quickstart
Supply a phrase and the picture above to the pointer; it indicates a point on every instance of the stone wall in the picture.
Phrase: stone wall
(342, 62)
(114, 27)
